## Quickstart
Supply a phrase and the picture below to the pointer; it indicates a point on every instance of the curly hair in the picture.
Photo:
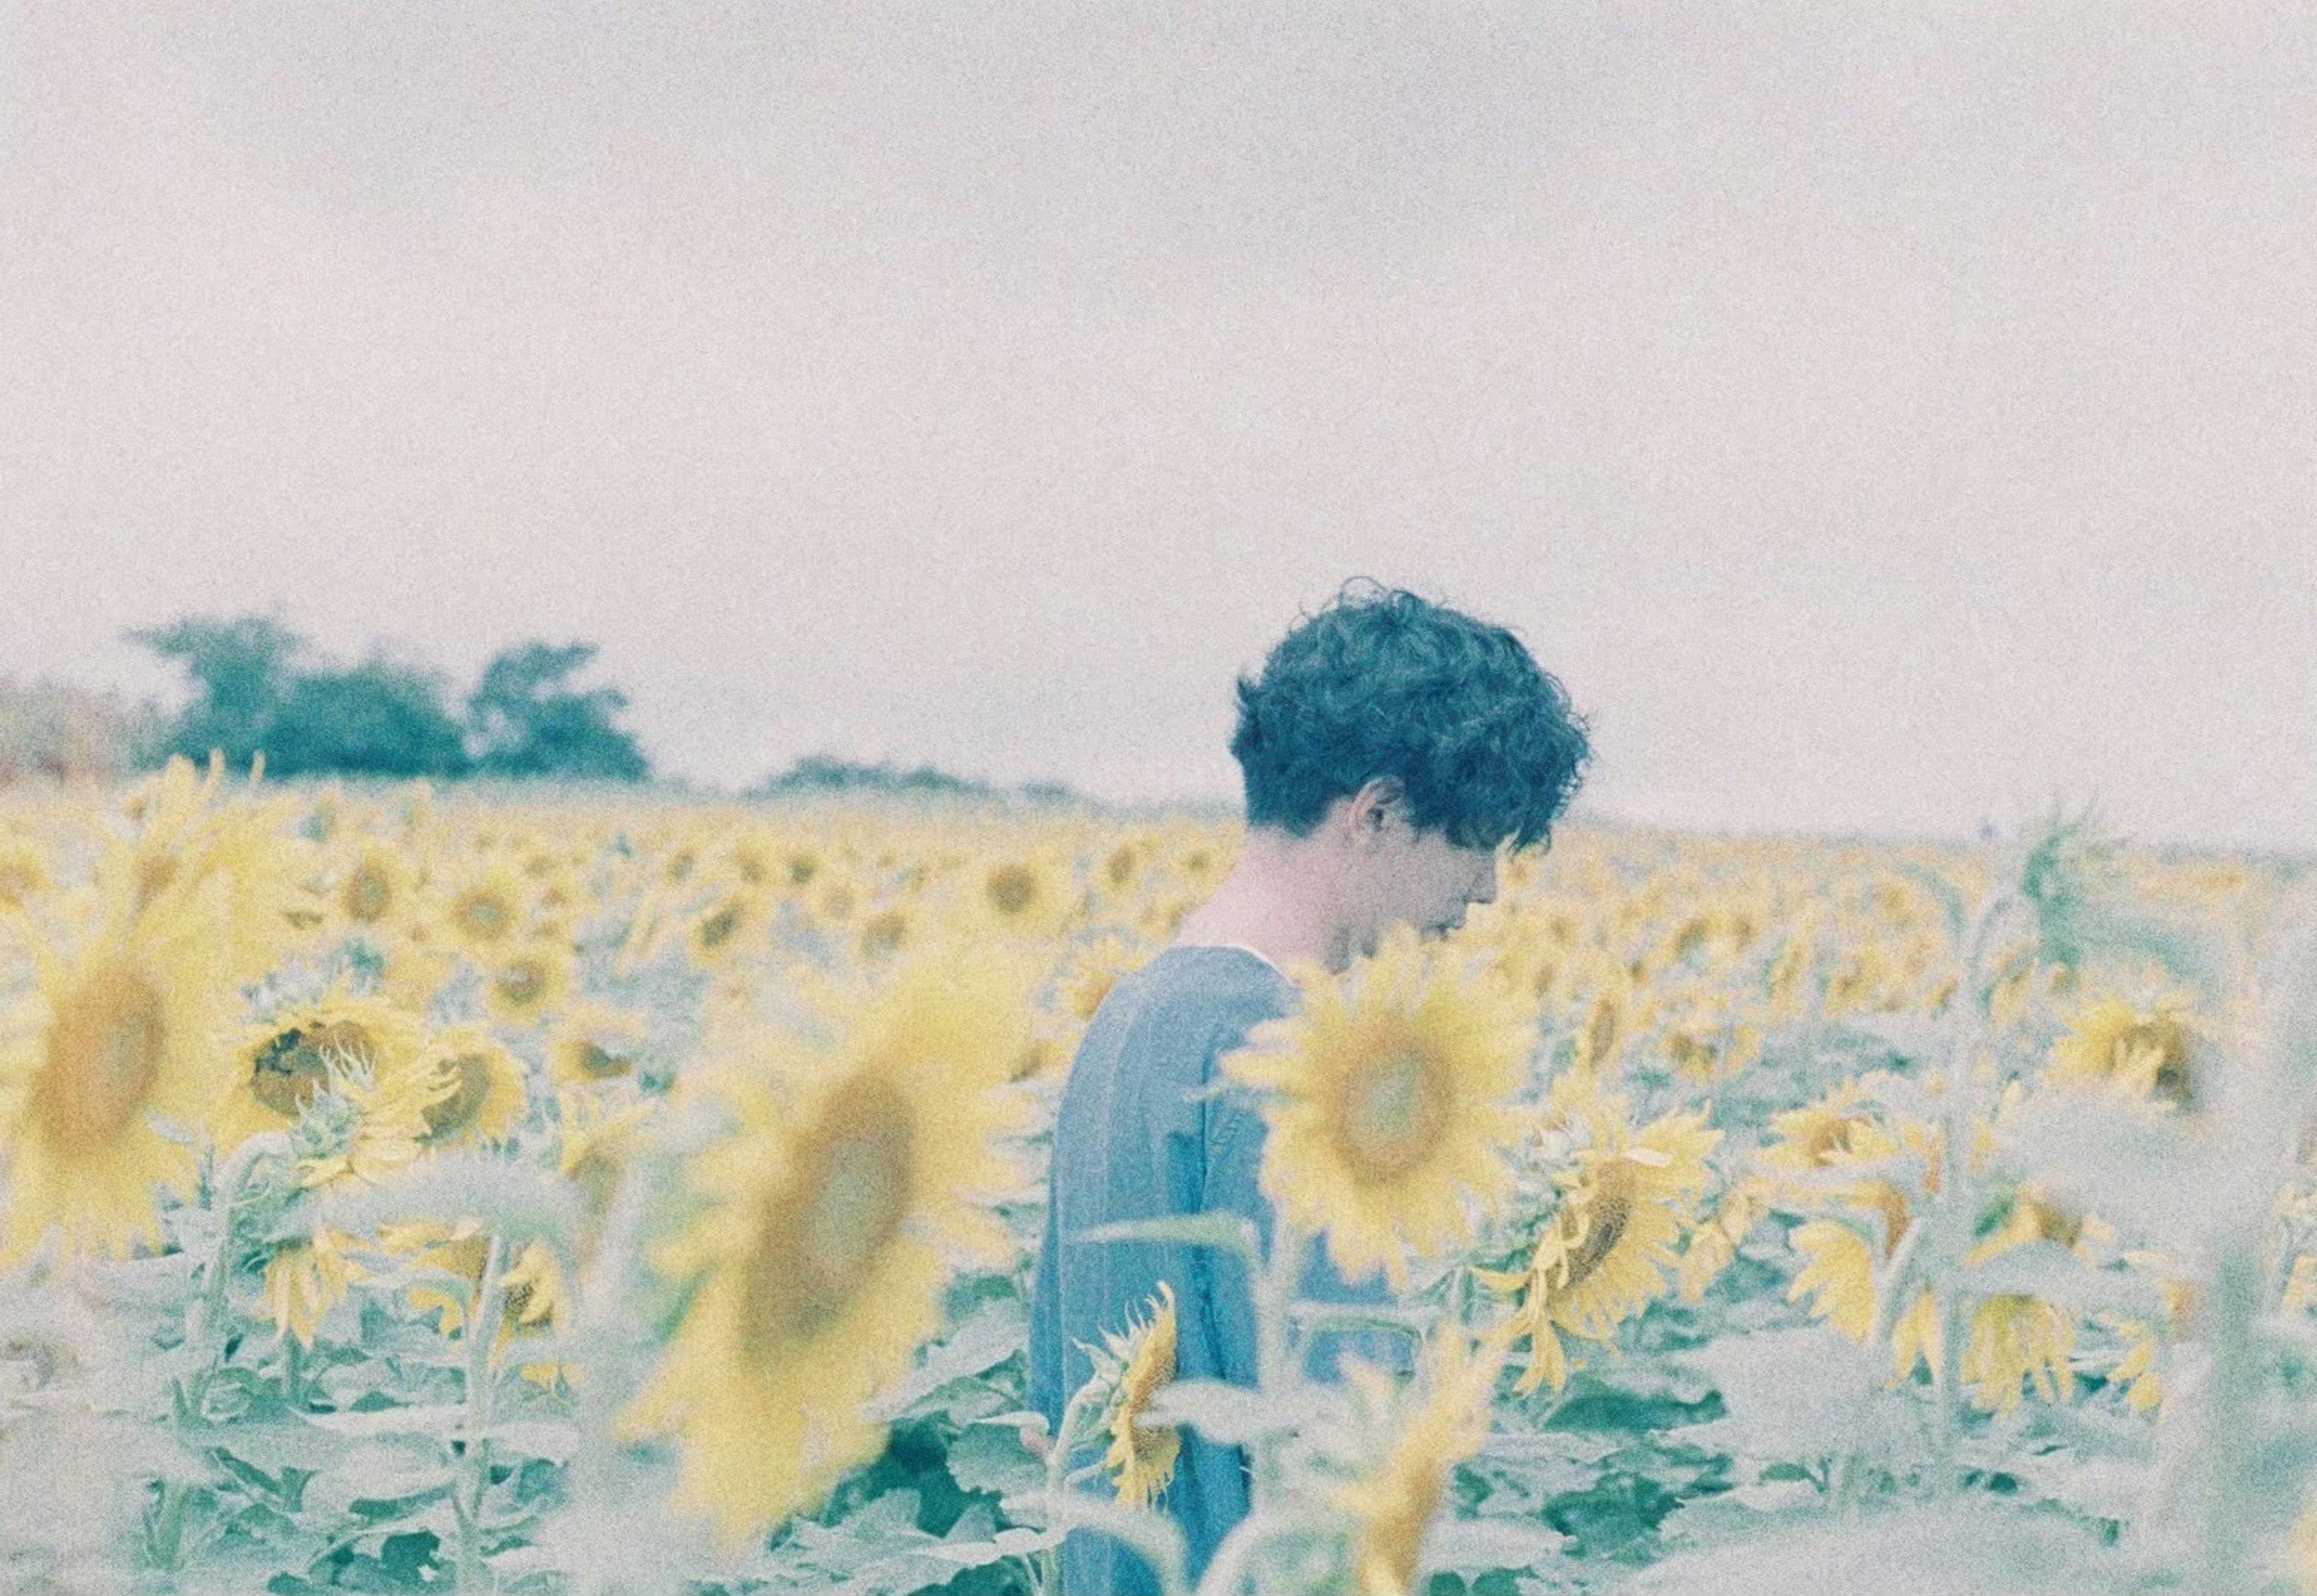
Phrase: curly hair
(1381, 681)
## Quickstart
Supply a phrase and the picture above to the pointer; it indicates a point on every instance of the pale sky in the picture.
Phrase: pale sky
(1880, 421)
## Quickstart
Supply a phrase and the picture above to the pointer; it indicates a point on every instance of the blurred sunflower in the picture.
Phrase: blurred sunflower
(375, 890)
(484, 913)
(594, 1043)
(2150, 1051)
(486, 1097)
(726, 927)
(305, 1280)
(1389, 1110)
(1602, 1257)
(525, 987)
(124, 1026)
(23, 870)
(187, 847)
(817, 1276)
(594, 1146)
(1442, 1423)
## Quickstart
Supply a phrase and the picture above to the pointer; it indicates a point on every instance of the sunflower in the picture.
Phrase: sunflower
(594, 1150)
(280, 1066)
(486, 911)
(814, 1269)
(126, 1025)
(375, 890)
(23, 870)
(2151, 1051)
(725, 926)
(185, 849)
(1142, 1456)
(531, 1285)
(1602, 1257)
(1389, 1108)
(305, 1280)
(593, 1044)
(525, 986)
(486, 1088)
(1095, 971)
(1715, 1241)
(1392, 1506)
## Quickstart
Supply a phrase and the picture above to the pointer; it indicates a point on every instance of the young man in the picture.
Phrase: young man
(1390, 746)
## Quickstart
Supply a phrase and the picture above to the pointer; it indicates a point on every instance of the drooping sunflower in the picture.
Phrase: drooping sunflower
(815, 1266)
(525, 986)
(125, 1025)
(1390, 1107)
(1141, 1457)
(1392, 1506)
(305, 1280)
(1603, 1256)
(279, 1065)
(486, 1097)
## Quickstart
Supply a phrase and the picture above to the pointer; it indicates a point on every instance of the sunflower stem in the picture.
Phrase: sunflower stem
(482, 1331)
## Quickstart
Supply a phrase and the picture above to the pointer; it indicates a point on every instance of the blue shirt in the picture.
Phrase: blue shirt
(1138, 1134)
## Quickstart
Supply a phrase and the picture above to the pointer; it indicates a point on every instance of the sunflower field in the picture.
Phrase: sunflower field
(569, 1192)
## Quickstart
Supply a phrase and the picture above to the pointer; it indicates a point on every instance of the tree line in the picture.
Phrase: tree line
(257, 685)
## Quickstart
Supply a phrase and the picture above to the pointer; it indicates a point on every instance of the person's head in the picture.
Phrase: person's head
(1404, 743)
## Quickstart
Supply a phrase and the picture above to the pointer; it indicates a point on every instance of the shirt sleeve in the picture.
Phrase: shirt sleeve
(1044, 1389)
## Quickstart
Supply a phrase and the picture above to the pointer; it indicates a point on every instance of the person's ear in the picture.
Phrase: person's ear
(1374, 806)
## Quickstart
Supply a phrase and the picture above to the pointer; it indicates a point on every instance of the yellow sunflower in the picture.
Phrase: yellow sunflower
(279, 1066)
(525, 987)
(1392, 1506)
(815, 1265)
(487, 1094)
(2151, 1051)
(727, 927)
(24, 872)
(305, 1280)
(1601, 1258)
(593, 1044)
(126, 1025)
(375, 890)
(1389, 1108)
(1142, 1456)
(485, 913)
(595, 1144)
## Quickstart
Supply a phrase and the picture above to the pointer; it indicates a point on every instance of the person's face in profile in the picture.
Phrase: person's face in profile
(1418, 877)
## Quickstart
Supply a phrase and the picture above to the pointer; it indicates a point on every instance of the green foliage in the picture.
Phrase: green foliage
(255, 690)
(528, 721)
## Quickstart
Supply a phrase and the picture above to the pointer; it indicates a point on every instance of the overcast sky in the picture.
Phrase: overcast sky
(1881, 422)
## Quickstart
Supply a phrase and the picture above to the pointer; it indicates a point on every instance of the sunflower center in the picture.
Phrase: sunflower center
(598, 1063)
(484, 916)
(719, 927)
(1394, 1113)
(885, 932)
(456, 1112)
(819, 1239)
(292, 1067)
(1612, 1211)
(1013, 888)
(521, 983)
(104, 1054)
(368, 895)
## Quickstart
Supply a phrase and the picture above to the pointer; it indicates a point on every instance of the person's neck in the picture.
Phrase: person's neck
(1275, 903)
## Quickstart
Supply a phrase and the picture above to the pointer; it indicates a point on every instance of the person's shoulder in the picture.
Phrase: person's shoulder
(1213, 975)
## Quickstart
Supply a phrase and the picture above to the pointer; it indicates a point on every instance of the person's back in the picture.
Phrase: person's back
(1389, 749)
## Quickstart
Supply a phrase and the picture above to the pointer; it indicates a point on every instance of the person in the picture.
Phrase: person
(1391, 749)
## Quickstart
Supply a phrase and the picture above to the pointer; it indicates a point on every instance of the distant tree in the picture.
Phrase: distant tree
(239, 670)
(525, 720)
(377, 719)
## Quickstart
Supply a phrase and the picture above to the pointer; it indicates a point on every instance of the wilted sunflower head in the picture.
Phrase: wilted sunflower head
(285, 1063)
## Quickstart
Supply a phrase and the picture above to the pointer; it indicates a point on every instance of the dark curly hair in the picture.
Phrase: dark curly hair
(1383, 683)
